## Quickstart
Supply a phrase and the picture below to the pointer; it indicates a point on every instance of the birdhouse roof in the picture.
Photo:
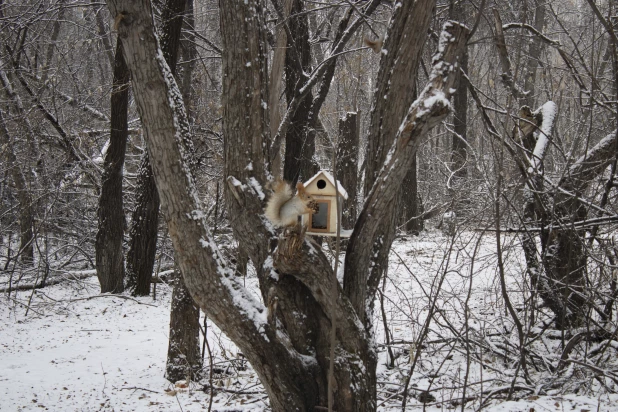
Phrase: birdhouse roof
(330, 179)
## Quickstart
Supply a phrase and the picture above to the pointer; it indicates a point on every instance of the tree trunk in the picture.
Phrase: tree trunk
(299, 139)
(347, 166)
(145, 220)
(27, 209)
(411, 202)
(183, 355)
(108, 243)
(290, 357)
(26, 212)
(184, 360)
(534, 54)
(143, 233)
(276, 73)
(560, 275)
(459, 153)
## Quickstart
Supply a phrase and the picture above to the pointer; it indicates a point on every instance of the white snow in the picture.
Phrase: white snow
(78, 351)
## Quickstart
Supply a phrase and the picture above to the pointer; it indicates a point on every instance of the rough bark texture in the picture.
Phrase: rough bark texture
(183, 352)
(145, 219)
(108, 243)
(347, 166)
(299, 139)
(143, 232)
(285, 373)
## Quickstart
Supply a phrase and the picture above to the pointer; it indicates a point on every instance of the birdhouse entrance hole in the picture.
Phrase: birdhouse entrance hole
(321, 184)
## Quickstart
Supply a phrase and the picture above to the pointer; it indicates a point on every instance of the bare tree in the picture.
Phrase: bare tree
(110, 234)
(292, 367)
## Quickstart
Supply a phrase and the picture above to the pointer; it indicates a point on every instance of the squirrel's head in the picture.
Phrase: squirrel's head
(302, 192)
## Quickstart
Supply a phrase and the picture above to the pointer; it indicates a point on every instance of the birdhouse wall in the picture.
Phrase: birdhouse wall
(332, 222)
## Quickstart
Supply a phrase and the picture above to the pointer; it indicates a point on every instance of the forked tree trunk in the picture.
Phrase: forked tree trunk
(290, 357)
(558, 270)
(108, 243)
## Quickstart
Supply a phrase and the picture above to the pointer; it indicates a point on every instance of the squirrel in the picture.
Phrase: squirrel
(283, 207)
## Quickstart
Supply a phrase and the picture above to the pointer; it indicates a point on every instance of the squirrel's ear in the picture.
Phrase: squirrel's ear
(300, 186)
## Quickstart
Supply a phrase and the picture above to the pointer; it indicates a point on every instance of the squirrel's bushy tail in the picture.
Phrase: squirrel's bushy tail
(282, 192)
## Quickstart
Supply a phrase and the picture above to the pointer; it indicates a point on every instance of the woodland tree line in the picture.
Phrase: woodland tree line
(139, 137)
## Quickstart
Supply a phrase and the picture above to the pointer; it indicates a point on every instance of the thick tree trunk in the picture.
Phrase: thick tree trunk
(347, 166)
(290, 358)
(145, 220)
(183, 356)
(143, 232)
(184, 360)
(299, 139)
(108, 243)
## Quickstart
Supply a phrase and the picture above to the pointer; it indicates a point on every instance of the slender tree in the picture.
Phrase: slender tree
(110, 234)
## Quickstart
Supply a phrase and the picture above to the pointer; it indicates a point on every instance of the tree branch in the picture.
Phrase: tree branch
(425, 113)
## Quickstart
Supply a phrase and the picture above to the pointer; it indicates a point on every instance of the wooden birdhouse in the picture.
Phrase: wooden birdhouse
(322, 189)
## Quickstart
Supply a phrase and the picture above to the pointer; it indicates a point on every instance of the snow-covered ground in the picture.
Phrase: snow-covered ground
(78, 351)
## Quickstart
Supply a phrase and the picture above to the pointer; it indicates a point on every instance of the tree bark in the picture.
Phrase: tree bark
(276, 73)
(347, 166)
(143, 232)
(183, 356)
(459, 153)
(299, 139)
(26, 212)
(184, 360)
(411, 201)
(108, 242)
(145, 219)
